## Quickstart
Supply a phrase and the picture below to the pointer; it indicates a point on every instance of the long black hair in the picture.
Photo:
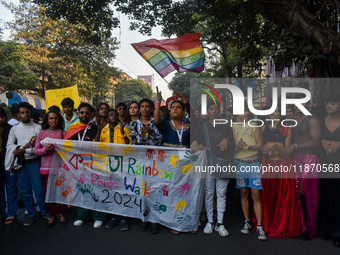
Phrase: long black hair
(45, 125)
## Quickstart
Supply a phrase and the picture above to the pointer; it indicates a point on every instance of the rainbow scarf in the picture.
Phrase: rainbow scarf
(183, 54)
(74, 129)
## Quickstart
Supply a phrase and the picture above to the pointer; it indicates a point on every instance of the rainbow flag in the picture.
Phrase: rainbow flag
(183, 54)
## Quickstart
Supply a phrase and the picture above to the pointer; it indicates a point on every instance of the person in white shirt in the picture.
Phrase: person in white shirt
(23, 136)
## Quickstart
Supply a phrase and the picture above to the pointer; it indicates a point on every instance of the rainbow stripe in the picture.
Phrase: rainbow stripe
(183, 54)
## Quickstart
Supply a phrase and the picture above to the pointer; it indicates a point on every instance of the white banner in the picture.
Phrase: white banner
(156, 184)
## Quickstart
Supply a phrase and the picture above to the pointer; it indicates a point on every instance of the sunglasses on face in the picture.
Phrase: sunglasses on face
(83, 112)
(121, 109)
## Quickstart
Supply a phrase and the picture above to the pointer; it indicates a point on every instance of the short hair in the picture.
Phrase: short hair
(54, 108)
(111, 110)
(45, 125)
(180, 102)
(211, 102)
(122, 104)
(3, 113)
(147, 100)
(14, 109)
(85, 105)
(67, 101)
(25, 105)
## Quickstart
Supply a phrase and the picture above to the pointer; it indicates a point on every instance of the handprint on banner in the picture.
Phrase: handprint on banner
(67, 191)
(68, 146)
(149, 153)
(173, 161)
(183, 219)
(60, 180)
(159, 208)
(165, 190)
(146, 210)
(180, 205)
(82, 178)
(62, 165)
(105, 148)
(190, 156)
(80, 188)
(61, 154)
(183, 188)
(187, 168)
(128, 150)
(88, 188)
(161, 155)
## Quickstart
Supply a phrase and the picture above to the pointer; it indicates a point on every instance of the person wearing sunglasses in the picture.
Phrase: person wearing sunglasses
(122, 112)
(85, 130)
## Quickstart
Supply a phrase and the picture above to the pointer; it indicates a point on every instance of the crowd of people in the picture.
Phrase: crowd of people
(289, 205)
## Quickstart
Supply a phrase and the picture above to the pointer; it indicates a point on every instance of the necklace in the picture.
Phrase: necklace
(52, 131)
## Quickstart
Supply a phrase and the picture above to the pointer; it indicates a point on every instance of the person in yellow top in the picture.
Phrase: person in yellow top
(248, 142)
(115, 132)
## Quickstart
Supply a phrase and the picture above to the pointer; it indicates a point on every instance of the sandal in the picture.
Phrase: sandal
(9, 220)
(194, 231)
(175, 232)
(62, 219)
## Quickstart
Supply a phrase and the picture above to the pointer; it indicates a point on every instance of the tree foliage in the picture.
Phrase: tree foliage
(56, 51)
(132, 90)
(94, 17)
(14, 72)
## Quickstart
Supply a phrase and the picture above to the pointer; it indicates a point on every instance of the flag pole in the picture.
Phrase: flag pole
(167, 83)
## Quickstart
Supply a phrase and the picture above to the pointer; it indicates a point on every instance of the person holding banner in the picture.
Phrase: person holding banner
(175, 132)
(114, 132)
(70, 117)
(145, 131)
(52, 127)
(20, 143)
(85, 131)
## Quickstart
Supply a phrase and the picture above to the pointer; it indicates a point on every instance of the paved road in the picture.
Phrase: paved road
(36, 239)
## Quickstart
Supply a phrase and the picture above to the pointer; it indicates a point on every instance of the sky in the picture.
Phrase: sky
(127, 59)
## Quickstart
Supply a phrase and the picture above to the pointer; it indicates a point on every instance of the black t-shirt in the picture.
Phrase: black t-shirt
(90, 135)
(216, 135)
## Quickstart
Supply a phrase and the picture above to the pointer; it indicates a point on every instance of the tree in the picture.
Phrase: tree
(55, 49)
(14, 72)
(95, 17)
(132, 90)
(305, 30)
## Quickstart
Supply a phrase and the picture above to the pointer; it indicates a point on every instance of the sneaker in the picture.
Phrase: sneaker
(246, 228)
(28, 222)
(221, 230)
(261, 235)
(97, 224)
(47, 217)
(124, 226)
(78, 223)
(112, 223)
(208, 229)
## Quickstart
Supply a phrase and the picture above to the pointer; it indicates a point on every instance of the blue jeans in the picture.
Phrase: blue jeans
(12, 193)
(29, 178)
(248, 175)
